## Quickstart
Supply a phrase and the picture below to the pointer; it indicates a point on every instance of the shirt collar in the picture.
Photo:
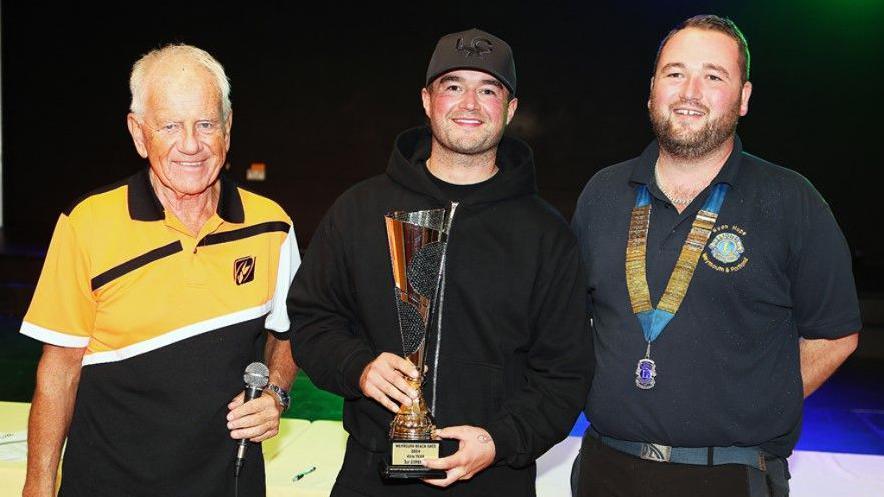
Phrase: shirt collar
(643, 171)
(145, 206)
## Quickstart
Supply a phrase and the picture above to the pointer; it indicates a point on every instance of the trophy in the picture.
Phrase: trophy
(417, 251)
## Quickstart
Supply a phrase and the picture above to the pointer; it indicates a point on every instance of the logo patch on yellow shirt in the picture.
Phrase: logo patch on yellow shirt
(244, 270)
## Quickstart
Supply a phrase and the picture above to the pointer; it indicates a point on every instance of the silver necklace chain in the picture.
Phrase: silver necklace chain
(672, 198)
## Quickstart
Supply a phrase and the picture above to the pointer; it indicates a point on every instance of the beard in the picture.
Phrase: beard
(694, 144)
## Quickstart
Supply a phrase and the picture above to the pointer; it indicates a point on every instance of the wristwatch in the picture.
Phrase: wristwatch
(281, 395)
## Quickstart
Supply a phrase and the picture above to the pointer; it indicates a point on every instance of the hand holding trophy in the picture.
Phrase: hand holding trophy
(417, 252)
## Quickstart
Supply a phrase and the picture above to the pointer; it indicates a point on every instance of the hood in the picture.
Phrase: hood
(514, 159)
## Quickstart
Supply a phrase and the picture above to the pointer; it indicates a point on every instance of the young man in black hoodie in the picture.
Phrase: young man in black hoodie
(508, 355)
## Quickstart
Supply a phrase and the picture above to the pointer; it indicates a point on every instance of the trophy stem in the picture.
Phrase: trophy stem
(413, 422)
(417, 358)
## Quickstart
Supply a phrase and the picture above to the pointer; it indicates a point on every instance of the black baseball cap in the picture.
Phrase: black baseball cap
(477, 50)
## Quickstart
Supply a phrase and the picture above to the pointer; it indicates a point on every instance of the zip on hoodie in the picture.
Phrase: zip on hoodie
(440, 294)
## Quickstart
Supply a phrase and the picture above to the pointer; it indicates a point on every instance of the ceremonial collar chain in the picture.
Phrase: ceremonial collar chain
(653, 321)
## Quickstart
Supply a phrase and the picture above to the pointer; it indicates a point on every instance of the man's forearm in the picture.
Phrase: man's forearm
(58, 375)
(279, 360)
(821, 357)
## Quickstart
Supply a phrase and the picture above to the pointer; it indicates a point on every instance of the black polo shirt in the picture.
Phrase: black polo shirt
(776, 268)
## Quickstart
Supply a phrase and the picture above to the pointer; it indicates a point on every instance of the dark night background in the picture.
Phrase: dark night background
(320, 90)
(319, 95)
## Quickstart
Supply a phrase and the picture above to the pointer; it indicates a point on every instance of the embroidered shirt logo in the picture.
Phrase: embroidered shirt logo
(726, 252)
(726, 247)
(244, 270)
(478, 47)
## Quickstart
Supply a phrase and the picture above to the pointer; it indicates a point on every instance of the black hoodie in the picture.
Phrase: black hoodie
(513, 356)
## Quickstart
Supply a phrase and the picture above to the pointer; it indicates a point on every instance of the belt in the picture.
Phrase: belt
(702, 456)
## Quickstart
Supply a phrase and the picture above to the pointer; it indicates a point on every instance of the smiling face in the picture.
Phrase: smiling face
(468, 111)
(182, 131)
(697, 96)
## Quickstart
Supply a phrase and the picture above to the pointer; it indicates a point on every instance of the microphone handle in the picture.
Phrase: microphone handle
(251, 393)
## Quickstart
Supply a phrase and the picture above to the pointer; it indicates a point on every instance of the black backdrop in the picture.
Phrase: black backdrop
(320, 91)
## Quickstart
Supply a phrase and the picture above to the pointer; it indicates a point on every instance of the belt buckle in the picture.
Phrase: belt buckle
(656, 452)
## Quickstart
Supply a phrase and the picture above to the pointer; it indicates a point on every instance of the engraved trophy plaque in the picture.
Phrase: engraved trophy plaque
(417, 250)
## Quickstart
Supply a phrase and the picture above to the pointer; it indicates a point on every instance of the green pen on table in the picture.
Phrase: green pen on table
(304, 473)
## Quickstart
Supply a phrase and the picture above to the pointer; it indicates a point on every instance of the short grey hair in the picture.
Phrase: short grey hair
(141, 69)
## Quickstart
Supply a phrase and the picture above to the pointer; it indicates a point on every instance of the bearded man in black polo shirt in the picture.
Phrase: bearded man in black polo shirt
(721, 292)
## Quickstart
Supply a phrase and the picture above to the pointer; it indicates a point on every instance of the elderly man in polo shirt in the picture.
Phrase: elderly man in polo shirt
(155, 294)
(721, 292)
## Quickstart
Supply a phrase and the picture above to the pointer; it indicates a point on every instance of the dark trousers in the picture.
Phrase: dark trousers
(601, 471)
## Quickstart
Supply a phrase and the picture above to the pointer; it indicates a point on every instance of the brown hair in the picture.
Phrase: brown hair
(714, 23)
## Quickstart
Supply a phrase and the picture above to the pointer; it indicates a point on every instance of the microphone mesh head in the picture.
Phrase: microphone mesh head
(257, 375)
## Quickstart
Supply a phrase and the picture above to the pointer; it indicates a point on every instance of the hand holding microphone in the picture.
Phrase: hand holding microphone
(256, 378)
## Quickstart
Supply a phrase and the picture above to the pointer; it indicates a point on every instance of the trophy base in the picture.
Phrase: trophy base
(394, 472)
(405, 459)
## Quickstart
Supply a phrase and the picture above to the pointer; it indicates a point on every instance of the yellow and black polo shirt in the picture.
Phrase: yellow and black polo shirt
(169, 322)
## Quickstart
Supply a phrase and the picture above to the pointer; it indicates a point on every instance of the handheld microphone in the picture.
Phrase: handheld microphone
(256, 378)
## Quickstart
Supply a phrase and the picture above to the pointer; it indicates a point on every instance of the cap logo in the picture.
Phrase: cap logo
(478, 47)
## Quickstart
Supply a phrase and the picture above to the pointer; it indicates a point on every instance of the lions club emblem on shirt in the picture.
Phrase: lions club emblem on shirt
(726, 247)
(726, 252)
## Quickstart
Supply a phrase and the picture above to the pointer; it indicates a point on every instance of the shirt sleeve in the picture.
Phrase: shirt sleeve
(62, 311)
(289, 261)
(825, 303)
(324, 340)
(560, 365)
